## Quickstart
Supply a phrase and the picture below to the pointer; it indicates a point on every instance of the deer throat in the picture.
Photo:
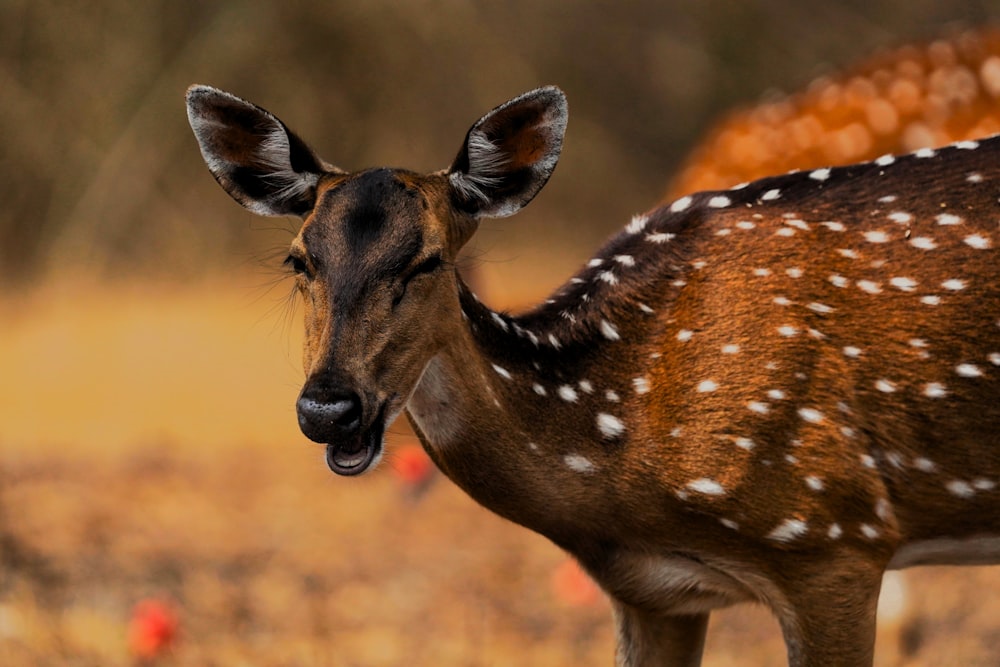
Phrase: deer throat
(432, 405)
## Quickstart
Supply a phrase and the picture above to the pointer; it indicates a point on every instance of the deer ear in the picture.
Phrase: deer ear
(509, 154)
(261, 163)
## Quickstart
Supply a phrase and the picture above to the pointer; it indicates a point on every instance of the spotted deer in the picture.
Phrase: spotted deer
(897, 101)
(767, 394)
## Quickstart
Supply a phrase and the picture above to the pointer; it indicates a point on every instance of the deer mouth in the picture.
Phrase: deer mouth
(356, 455)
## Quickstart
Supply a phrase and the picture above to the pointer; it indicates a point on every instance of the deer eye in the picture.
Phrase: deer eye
(429, 265)
(297, 265)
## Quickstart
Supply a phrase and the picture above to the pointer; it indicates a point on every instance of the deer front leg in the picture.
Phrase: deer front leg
(657, 640)
(830, 615)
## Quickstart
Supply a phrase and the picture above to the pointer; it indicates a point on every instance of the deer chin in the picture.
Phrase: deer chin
(356, 455)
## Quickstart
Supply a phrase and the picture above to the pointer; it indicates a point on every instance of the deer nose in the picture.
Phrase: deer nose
(331, 418)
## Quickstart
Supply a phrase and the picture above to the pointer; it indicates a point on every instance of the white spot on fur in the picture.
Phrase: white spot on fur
(608, 277)
(900, 217)
(838, 280)
(948, 219)
(567, 393)
(759, 407)
(788, 331)
(709, 487)
(877, 236)
(814, 483)
(659, 237)
(903, 283)
(578, 463)
(684, 335)
(811, 415)
(819, 174)
(609, 425)
(885, 386)
(609, 331)
(625, 260)
(883, 509)
(885, 161)
(586, 387)
(823, 309)
(954, 284)
(869, 287)
(925, 153)
(852, 352)
(834, 226)
(502, 372)
(637, 224)
(977, 241)
(771, 195)
(775, 394)
(923, 243)
(612, 396)
(539, 389)
(957, 487)
(871, 532)
(681, 204)
(930, 300)
(968, 371)
(934, 390)
(732, 348)
(641, 385)
(719, 201)
(706, 386)
(789, 530)
(835, 531)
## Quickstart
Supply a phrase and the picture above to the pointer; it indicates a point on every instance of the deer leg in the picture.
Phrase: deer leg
(658, 640)
(830, 619)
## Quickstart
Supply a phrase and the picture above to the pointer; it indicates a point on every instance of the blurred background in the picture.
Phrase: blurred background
(157, 502)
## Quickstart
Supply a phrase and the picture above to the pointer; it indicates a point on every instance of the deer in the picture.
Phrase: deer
(917, 95)
(771, 393)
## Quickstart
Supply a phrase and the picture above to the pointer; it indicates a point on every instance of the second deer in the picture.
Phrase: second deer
(767, 394)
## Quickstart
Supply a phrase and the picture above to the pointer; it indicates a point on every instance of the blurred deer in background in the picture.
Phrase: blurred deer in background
(898, 101)
(771, 393)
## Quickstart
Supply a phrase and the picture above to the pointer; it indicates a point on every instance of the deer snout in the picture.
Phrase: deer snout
(329, 418)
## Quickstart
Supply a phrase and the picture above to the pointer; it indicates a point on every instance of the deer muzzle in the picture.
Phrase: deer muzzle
(337, 420)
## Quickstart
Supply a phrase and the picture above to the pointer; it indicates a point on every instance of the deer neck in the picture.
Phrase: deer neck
(527, 413)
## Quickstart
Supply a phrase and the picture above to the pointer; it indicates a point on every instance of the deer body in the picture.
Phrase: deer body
(772, 393)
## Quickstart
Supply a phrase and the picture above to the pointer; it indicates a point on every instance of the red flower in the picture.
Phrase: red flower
(152, 629)
(572, 586)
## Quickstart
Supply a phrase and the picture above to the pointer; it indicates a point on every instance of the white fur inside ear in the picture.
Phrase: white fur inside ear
(487, 164)
(274, 154)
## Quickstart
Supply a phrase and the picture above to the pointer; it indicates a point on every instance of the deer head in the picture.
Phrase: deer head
(374, 258)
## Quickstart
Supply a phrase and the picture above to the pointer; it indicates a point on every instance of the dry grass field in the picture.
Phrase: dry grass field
(150, 452)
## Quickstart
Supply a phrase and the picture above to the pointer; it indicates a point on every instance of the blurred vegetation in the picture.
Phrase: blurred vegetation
(98, 167)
